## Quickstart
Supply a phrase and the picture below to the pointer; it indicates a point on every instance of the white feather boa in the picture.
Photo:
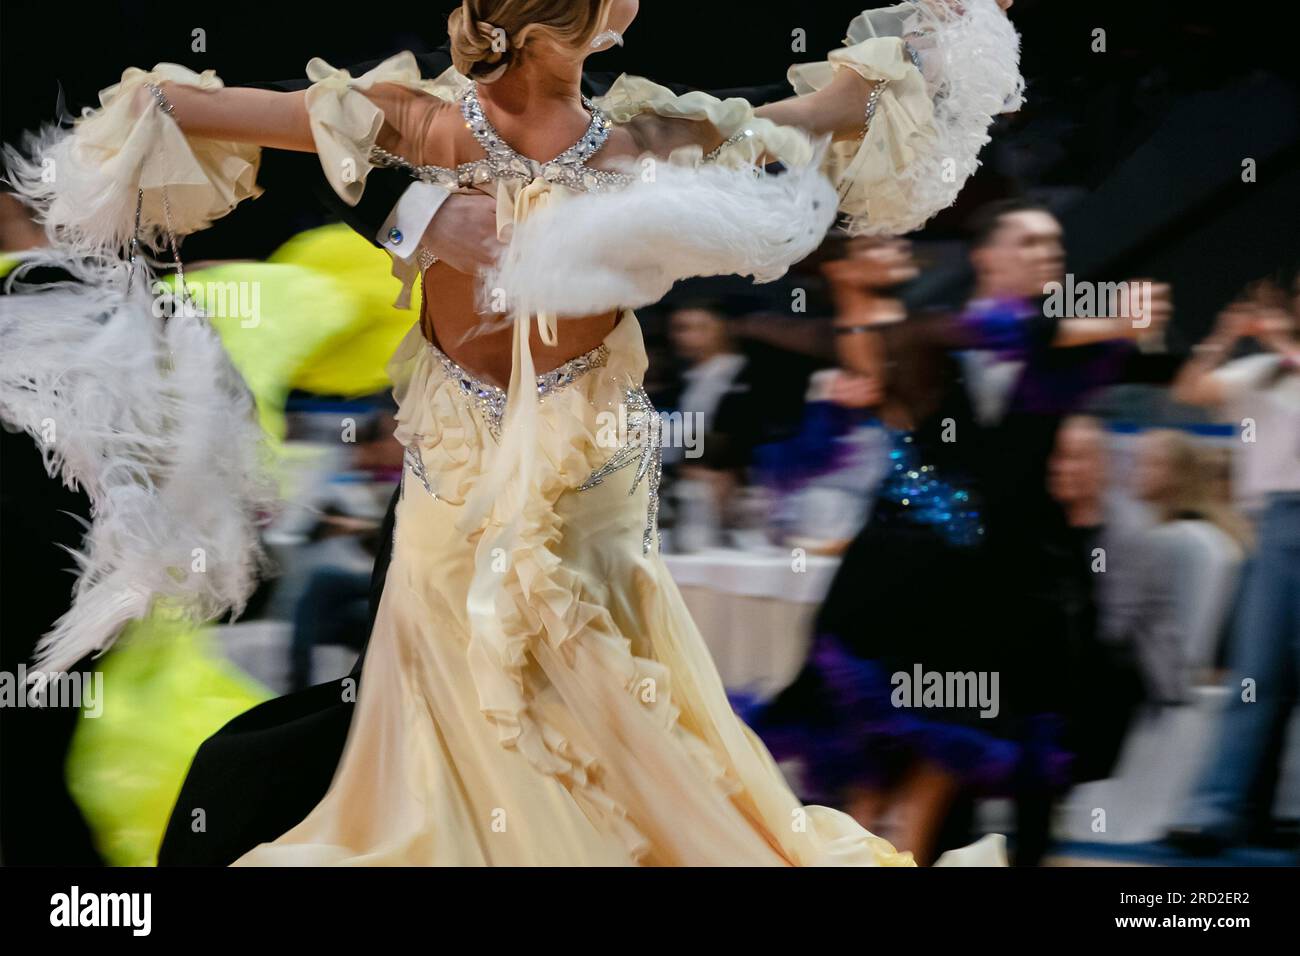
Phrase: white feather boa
(596, 252)
(149, 417)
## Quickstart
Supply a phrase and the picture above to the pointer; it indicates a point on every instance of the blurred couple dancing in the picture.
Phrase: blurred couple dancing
(534, 692)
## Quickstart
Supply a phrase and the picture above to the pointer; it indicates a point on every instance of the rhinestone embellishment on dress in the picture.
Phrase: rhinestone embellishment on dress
(732, 140)
(645, 449)
(569, 169)
(490, 400)
(413, 459)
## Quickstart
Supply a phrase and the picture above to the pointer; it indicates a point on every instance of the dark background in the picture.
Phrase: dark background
(1139, 149)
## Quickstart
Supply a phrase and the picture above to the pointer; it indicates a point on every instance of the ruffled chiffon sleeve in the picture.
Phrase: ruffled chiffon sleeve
(947, 70)
(345, 122)
(345, 125)
(83, 182)
(746, 137)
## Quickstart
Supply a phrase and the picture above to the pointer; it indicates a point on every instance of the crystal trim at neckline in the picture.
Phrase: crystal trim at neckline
(495, 145)
(490, 399)
(569, 168)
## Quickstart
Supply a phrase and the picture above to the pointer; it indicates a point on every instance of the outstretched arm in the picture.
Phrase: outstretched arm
(838, 110)
(170, 150)
(283, 120)
(269, 118)
(1200, 381)
(908, 102)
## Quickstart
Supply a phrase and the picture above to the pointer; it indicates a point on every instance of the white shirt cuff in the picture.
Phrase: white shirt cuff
(403, 230)
(406, 224)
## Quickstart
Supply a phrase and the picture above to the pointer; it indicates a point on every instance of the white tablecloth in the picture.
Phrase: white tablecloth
(754, 610)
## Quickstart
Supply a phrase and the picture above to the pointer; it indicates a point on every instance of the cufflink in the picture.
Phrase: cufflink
(395, 236)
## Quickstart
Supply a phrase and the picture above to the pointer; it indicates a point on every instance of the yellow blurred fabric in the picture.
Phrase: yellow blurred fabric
(167, 688)
(353, 362)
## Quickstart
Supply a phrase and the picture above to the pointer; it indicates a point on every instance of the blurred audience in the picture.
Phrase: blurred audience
(1101, 689)
(706, 453)
(333, 608)
(1171, 604)
(1260, 394)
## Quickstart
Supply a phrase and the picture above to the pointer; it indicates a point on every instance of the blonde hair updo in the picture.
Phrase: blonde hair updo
(486, 33)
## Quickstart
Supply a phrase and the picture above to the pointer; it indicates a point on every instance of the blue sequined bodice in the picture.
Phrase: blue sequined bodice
(914, 493)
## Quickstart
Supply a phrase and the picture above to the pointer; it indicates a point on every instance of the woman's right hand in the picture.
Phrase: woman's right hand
(463, 233)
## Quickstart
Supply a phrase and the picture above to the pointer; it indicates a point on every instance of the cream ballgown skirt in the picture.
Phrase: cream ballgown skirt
(548, 703)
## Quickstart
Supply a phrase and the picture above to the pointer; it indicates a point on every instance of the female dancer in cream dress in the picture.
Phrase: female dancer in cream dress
(535, 690)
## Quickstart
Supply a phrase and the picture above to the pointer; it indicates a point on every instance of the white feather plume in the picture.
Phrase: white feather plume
(149, 417)
(971, 62)
(87, 207)
(600, 251)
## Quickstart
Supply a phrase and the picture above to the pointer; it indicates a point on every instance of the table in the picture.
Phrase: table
(754, 610)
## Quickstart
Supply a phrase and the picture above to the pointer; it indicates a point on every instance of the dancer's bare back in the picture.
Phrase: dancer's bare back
(451, 319)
